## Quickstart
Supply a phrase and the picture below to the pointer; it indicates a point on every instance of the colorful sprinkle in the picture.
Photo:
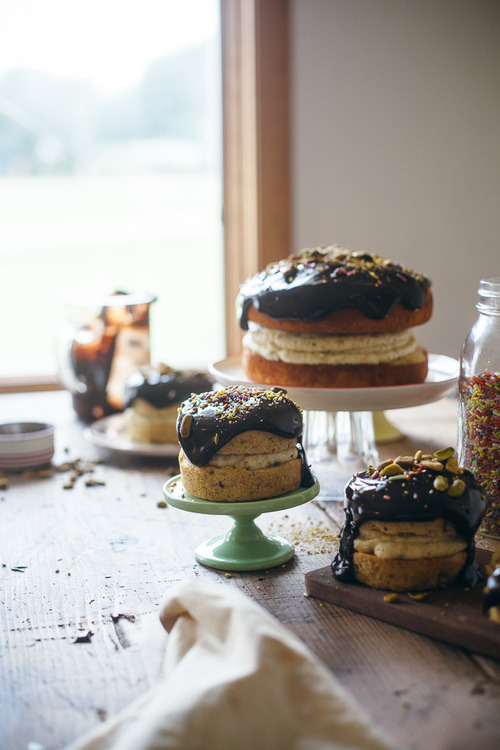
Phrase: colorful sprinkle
(480, 436)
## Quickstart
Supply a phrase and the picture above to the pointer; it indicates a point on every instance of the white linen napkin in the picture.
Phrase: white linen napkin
(234, 678)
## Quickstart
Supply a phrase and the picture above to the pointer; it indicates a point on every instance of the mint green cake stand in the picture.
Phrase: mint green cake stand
(245, 546)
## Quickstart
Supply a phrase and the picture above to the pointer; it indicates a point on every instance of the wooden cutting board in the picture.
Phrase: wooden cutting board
(453, 615)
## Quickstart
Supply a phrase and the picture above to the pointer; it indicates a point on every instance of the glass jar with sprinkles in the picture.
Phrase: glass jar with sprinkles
(479, 402)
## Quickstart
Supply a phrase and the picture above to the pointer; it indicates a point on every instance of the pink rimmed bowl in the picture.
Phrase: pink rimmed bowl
(26, 445)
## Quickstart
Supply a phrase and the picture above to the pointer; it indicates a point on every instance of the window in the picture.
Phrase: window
(110, 171)
(255, 175)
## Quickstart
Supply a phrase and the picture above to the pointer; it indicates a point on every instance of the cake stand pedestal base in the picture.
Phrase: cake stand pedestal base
(343, 437)
(244, 546)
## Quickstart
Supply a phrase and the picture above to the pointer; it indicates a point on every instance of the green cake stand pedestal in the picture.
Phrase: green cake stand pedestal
(244, 546)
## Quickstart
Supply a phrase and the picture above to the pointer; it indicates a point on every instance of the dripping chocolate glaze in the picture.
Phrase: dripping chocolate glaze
(208, 421)
(384, 499)
(315, 283)
(491, 596)
(162, 389)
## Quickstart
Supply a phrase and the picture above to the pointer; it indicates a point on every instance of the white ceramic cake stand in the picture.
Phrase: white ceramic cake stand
(244, 546)
(338, 422)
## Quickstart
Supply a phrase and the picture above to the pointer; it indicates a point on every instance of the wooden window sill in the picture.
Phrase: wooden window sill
(27, 384)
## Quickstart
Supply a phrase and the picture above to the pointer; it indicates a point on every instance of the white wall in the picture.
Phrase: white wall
(396, 141)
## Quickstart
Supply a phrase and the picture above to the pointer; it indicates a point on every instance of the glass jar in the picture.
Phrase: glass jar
(479, 402)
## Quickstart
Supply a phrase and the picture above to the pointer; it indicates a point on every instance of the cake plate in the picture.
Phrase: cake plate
(244, 546)
(338, 422)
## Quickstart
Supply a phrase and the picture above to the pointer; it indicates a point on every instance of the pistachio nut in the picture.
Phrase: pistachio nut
(420, 596)
(444, 453)
(456, 488)
(441, 483)
(405, 461)
(186, 425)
(392, 598)
(391, 469)
(433, 465)
(385, 463)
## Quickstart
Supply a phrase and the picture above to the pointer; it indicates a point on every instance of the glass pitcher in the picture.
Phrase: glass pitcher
(103, 340)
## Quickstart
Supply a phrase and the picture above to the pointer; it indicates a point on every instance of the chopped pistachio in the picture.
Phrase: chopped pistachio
(405, 461)
(441, 483)
(433, 465)
(186, 425)
(391, 598)
(456, 488)
(452, 465)
(419, 596)
(385, 463)
(444, 453)
(390, 470)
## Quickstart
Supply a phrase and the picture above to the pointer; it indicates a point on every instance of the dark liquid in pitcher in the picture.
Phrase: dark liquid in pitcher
(94, 351)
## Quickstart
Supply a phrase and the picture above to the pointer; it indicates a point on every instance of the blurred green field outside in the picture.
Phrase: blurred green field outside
(155, 232)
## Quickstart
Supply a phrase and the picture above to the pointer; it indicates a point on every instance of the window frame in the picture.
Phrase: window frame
(256, 154)
(256, 143)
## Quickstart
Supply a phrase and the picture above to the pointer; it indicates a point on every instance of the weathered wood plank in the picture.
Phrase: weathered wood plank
(453, 615)
(124, 553)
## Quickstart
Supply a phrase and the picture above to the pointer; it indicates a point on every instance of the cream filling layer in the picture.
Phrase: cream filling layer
(253, 461)
(409, 541)
(144, 409)
(325, 349)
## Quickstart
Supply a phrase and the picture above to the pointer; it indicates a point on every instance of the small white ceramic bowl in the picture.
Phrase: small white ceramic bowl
(26, 445)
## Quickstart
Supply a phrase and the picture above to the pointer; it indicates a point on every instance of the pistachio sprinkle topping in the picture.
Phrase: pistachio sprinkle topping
(317, 281)
(419, 488)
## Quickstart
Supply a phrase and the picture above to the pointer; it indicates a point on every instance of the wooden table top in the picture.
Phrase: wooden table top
(84, 568)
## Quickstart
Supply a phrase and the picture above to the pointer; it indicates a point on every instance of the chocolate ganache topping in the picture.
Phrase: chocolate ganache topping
(420, 488)
(163, 386)
(316, 282)
(208, 421)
